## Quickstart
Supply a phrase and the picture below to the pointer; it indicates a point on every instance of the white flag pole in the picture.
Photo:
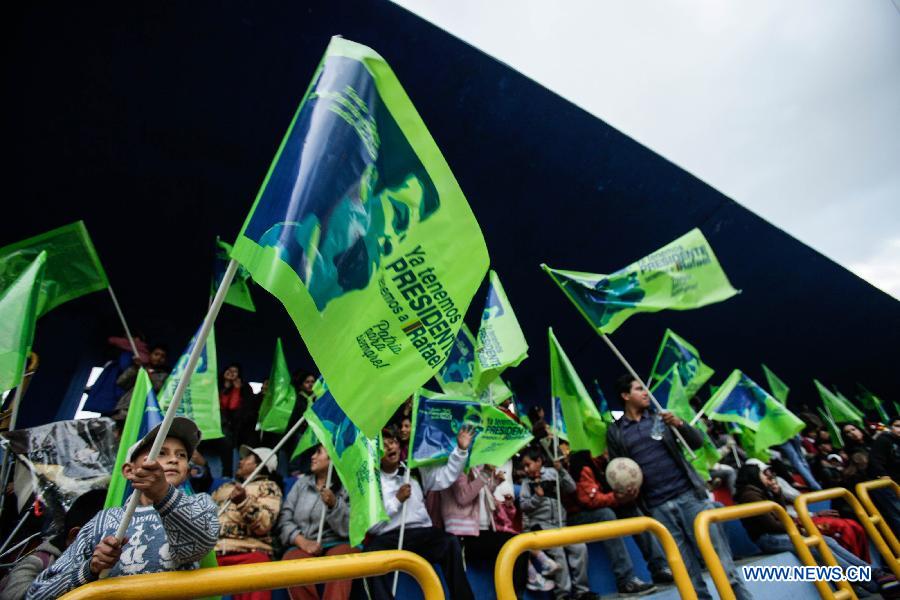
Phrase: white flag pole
(112, 295)
(556, 458)
(193, 359)
(324, 508)
(403, 513)
(7, 453)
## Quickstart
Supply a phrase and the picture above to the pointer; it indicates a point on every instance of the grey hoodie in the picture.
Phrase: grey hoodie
(302, 510)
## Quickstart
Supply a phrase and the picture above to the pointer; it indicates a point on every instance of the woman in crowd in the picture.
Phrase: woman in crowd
(301, 515)
(234, 395)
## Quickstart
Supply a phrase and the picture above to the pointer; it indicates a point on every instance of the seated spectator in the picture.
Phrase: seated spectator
(593, 502)
(420, 536)
(404, 433)
(170, 531)
(252, 511)
(541, 510)
(885, 453)
(23, 574)
(298, 524)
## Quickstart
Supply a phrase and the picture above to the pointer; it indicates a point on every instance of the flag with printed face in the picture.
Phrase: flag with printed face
(456, 377)
(238, 293)
(501, 343)
(200, 402)
(437, 418)
(362, 232)
(778, 388)
(18, 315)
(676, 352)
(356, 460)
(839, 408)
(740, 400)
(682, 275)
(72, 270)
(280, 397)
(585, 427)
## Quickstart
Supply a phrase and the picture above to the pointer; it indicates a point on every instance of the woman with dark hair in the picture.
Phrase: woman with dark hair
(855, 439)
(298, 524)
(234, 393)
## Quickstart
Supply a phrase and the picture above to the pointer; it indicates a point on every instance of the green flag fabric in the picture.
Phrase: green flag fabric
(837, 440)
(872, 402)
(306, 441)
(201, 398)
(356, 461)
(778, 388)
(362, 232)
(73, 268)
(584, 426)
(18, 315)
(840, 409)
(675, 351)
(740, 400)
(670, 393)
(238, 293)
(131, 430)
(501, 343)
(682, 275)
(456, 377)
(437, 419)
(280, 397)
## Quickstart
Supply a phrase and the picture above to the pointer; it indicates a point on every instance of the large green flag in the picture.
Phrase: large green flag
(201, 398)
(238, 293)
(675, 351)
(778, 388)
(280, 397)
(584, 426)
(839, 408)
(72, 270)
(131, 433)
(682, 275)
(457, 375)
(740, 400)
(362, 232)
(356, 460)
(18, 314)
(872, 402)
(501, 343)
(437, 419)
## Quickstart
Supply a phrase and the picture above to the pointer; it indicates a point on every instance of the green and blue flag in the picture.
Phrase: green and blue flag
(200, 402)
(457, 376)
(676, 352)
(238, 293)
(501, 343)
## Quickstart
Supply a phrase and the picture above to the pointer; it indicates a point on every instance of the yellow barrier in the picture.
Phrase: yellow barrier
(578, 534)
(753, 509)
(832, 494)
(862, 491)
(263, 576)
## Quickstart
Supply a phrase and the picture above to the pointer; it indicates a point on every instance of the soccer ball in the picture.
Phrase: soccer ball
(623, 473)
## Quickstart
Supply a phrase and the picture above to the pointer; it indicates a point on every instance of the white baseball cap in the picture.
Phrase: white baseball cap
(182, 428)
(755, 461)
(265, 455)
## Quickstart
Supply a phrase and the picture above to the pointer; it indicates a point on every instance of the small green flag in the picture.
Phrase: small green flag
(837, 440)
(238, 293)
(679, 402)
(675, 351)
(501, 343)
(201, 398)
(839, 408)
(585, 428)
(72, 270)
(131, 431)
(306, 441)
(682, 275)
(872, 402)
(778, 388)
(603, 405)
(280, 397)
(456, 377)
(18, 315)
(361, 230)
(356, 461)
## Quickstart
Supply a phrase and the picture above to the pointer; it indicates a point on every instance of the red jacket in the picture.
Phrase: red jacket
(590, 492)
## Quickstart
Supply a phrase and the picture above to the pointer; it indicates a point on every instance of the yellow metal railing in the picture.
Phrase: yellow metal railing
(862, 491)
(707, 518)
(832, 494)
(263, 576)
(594, 532)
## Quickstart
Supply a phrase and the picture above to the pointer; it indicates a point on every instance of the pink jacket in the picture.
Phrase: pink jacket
(460, 506)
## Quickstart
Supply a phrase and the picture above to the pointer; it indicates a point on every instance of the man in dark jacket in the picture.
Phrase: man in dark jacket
(672, 492)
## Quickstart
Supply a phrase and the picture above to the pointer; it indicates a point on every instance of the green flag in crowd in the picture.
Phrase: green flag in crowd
(356, 460)
(839, 408)
(280, 397)
(457, 375)
(238, 293)
(872, 402)
(362, 232)
(603, 405)
(437, 418)
(682, 275)
(306, 441)
(585, 428)
(501, 343)
(131, 433)
(72, 270)
(675, 351)
(778, 388)
(18, 315)
(201, 397)
(837, 440)
(740, 400)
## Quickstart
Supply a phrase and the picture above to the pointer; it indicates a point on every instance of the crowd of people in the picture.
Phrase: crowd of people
(454, 518)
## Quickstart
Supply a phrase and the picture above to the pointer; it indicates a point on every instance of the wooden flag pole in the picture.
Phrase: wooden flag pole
(193, 359)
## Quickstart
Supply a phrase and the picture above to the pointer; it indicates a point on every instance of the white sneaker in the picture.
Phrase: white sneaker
(549, 567)
(537, 583)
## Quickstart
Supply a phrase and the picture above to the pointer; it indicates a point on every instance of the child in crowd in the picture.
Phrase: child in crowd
(170, 531)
